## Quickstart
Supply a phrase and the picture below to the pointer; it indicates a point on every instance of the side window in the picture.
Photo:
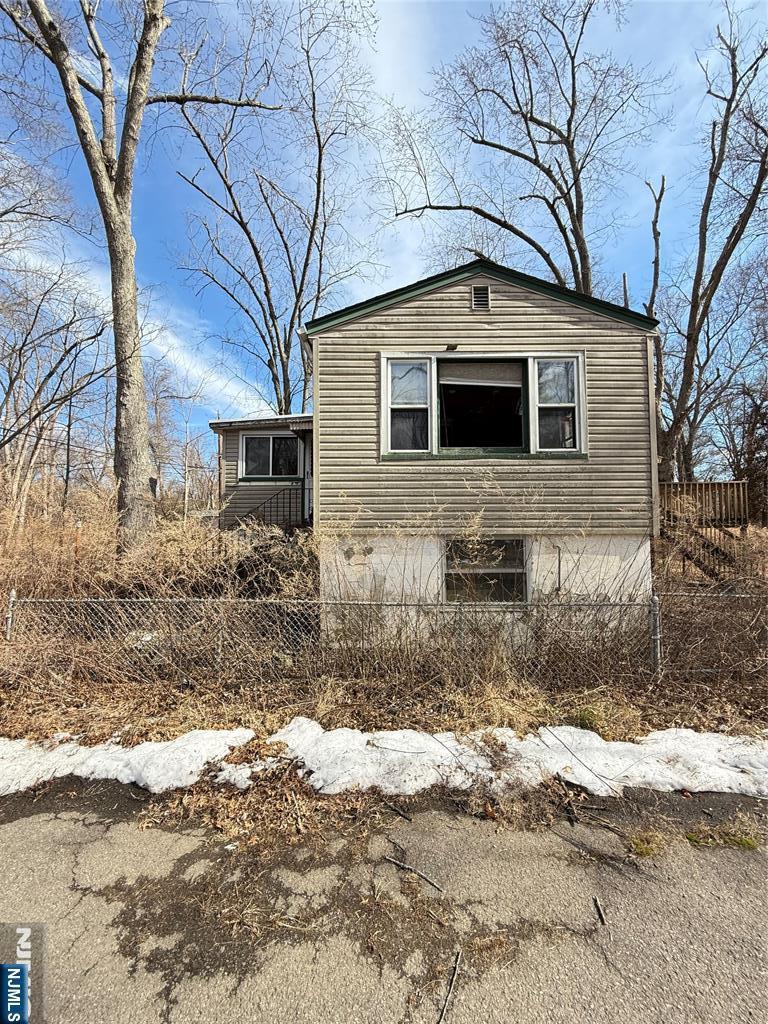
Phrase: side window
(492, 570)
(285, 456)
(256, 456)
(408, 389)
(270, 456)
(557, 416)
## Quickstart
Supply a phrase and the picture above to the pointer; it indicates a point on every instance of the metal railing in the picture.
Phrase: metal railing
(285, 508)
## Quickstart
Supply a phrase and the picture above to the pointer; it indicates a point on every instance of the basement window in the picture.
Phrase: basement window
(485, 571)
(269, 455)
(481, 404)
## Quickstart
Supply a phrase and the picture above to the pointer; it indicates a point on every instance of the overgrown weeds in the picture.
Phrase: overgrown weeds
(208, 629)
(73, 554)
(153, 670)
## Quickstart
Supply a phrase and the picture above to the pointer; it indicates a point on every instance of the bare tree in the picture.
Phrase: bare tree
(273, 241)
(51, 352)
(731, 215)
(742, 440)
(526, 134)
(107, 113)
(178, 460)
(732, 346)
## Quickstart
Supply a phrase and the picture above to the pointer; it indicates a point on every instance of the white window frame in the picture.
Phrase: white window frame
(526, 571)
(530, 358)
(429, 406)
(577, 404)
(242, 478)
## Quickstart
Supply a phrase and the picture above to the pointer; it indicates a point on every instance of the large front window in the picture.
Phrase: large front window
(482, 405)
(269, 455)
(489, 570)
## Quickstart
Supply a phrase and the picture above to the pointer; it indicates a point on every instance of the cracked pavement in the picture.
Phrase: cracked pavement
(140, 923)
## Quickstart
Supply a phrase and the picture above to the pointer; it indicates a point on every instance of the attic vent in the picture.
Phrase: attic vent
(481, 296)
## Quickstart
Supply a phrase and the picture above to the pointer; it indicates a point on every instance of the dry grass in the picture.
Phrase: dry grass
(73, 554)
(95, 711)
(742, 832)
(155, 670)
(647, 842)
(85, 692)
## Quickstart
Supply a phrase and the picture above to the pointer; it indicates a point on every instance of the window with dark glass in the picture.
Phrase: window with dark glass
(257, 456)
(408, 405)
(556, 403)
(481, 403)
(492, 570)
(270, 456)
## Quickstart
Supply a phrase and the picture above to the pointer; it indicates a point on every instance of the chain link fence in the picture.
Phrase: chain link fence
(710, 639)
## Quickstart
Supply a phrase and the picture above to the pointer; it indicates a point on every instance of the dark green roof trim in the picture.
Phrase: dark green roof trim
(447, 277)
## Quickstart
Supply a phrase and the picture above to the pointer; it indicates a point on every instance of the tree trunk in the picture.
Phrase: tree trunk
(667, 451)
(135, 499)
(687, 471)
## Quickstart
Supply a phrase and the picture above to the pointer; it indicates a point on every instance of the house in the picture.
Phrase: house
(478, 435)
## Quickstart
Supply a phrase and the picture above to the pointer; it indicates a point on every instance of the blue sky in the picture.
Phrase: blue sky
(412, 38)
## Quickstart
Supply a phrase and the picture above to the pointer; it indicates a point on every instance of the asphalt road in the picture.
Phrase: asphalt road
(146, 925)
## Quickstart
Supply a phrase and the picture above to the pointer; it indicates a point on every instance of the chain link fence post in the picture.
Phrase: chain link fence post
(656, 633)
(9, 616)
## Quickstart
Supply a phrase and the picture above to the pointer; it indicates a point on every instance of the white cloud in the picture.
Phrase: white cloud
(170, 333)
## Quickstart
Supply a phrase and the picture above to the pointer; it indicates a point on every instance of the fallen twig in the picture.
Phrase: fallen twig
(410, 867)
(397, 810)
(456, 965)
(599, 909)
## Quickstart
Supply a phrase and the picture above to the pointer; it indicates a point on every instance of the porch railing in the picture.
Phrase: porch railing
(286, 508)
(707, 502)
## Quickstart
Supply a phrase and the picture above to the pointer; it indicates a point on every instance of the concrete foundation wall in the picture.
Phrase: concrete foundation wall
(402, 567)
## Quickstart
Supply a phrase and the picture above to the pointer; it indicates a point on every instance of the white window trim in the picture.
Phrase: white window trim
(577, 405)
(243, 479)
(526, 570)
(579, 356)
(430, 405)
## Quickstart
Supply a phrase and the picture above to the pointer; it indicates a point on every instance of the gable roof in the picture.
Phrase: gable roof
(472, 269)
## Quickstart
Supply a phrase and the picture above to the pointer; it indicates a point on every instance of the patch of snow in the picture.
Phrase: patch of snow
(404, 761)
(154, 766)
(239, 775)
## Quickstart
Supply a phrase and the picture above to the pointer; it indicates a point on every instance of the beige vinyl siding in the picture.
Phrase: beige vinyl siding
(240, 498)
(609, 491)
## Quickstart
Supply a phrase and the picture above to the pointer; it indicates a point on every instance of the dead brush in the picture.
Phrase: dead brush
(154, 669)
(165, 641)
(73, 554)
(280, 809)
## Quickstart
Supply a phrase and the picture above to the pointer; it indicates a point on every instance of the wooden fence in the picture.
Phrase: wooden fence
(720, 503)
